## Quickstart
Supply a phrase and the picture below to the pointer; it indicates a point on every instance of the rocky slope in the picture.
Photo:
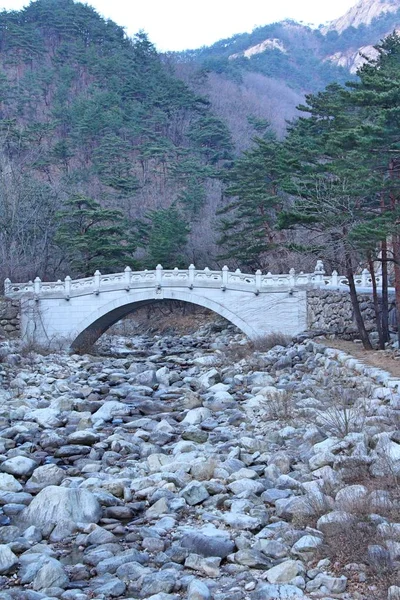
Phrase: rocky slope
(363, 13)
(193, 468)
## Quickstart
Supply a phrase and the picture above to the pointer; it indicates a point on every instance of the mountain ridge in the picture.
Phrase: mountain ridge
(362, 13)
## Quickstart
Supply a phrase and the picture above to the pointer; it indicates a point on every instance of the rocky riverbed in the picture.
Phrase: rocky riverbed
(193, 467)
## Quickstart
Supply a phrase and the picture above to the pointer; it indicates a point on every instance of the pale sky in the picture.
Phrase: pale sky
(187, 24)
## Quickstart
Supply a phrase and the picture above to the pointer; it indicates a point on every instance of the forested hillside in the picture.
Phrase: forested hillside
(111, 154)
(102, 148)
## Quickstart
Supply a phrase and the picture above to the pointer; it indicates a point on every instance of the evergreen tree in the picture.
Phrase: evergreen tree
(164, 235)
(376, 95)
(93, 237)
(246, 227)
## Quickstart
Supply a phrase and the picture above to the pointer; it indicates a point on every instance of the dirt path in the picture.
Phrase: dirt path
(389, 360)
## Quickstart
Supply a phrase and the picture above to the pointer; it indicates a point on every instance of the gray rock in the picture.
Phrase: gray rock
(284, 572)
(163, 596)
(163, 581)
(209, 566)
(394, 593)
(332, 585)
(51, 574)
(109, 410)
(8, 560)
(83, 437)
(195, 493)
(43, 477)
(205, 545)
(110, 586)
(308, 543)
(110, 565)
(246, 485)
(271, 548)
(21, 466)
(253, 559)
(196, 416)
(331, 522)
(100, 536)
(55, 504)
(351, 498)
(198, 590)
(276, 592)
(8, 483)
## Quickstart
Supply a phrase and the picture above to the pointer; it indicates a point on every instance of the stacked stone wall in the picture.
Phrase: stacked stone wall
(332, 311)
(9, 318)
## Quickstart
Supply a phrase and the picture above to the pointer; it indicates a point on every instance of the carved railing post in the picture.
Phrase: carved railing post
(292, 277)
(159, 272)
(364, 278)
(192, 270)
(319, 273)
(7, 286)
(67, 286)
(335, 278)
(97, 276)
(225, 278)
(37, 285)
(127, 277)
(258, 280)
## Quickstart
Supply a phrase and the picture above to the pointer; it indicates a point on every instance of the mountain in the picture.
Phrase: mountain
(356, 32)
(362, 13)
(270, 70)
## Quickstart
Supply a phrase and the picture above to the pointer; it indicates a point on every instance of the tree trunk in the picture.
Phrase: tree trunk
(377, 308)
(356, 306)
(396, 258)
(385, 294)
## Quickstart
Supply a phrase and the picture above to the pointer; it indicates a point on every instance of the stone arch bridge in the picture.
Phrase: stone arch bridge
(71, 313)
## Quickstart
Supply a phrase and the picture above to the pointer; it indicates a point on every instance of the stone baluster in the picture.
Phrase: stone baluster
(258, 280)
(192, 270)
(159, 274)
(97, 276)
(127, 278)
(7, 286)
(364, 278)
(319, 273)
(67, 287)
(225, 275)
(292, 277)
(335, 278)
(37, 285)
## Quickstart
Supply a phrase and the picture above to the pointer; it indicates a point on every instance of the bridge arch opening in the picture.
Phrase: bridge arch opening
(99, 321)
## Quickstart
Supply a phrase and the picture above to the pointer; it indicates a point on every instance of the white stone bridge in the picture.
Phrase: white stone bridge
(73, 313)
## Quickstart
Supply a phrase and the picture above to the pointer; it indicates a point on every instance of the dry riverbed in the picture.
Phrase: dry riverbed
(190, 467)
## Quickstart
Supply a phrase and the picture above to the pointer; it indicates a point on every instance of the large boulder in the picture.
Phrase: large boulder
(58, 504)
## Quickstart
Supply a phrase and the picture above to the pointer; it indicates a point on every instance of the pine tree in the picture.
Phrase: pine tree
(93, 237)
(247, 222)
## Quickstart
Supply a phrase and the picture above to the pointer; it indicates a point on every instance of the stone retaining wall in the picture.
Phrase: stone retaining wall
(9, 318)
(332, 311)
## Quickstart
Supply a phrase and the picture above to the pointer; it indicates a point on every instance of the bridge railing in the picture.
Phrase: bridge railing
(190, 278)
